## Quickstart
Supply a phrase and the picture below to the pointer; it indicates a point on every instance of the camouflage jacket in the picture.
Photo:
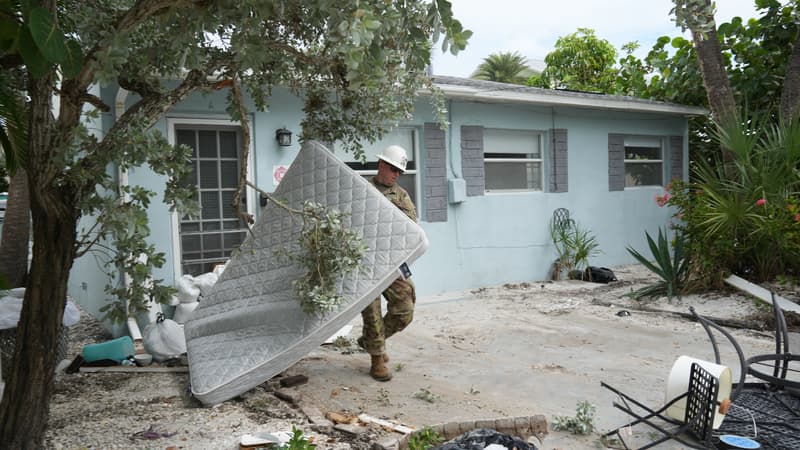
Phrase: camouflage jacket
(399, 197)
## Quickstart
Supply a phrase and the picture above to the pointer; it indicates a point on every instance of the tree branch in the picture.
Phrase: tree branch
(148, 110)
(237, 197)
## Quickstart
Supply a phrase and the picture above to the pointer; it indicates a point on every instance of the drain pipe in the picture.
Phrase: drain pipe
(122, 181)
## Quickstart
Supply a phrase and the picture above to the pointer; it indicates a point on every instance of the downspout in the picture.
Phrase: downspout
(456, 174)
(122, 181)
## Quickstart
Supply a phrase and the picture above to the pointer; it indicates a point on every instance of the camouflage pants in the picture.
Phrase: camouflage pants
(400, 300)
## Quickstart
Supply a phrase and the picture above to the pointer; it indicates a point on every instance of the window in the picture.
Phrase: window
(210, 238)
(512, 160)
(644, 164)
(405, 137)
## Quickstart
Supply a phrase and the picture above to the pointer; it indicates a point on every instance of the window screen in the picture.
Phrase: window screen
(512, 160)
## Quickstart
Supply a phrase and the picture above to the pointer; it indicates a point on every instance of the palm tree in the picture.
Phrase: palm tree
(504, 67)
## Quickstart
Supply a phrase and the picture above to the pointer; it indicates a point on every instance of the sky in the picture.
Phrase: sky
(531, 27)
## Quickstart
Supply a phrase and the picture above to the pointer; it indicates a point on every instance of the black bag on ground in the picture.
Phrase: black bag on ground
(598, 275)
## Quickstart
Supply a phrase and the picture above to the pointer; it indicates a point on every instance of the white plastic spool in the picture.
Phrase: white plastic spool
(678, 383)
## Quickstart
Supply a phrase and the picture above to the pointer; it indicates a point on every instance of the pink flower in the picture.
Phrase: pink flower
(662, 200)
(761, 202)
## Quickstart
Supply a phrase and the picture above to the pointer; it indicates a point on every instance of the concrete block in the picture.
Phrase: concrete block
(390, 442)
(451, 430)
(485, 423)
(505, 425)
(465, 427)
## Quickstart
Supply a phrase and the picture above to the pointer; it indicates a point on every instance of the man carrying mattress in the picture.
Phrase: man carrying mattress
(400, 296)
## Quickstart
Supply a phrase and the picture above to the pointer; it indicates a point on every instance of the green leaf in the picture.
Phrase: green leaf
(73, 63)
(31, 55)
(46, 35)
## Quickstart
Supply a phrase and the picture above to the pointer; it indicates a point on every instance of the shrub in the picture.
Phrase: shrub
(743, 216)
(574, 245)
(672, 267)
(582, 423)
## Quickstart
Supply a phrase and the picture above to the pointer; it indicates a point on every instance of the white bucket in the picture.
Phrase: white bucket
(678, 384)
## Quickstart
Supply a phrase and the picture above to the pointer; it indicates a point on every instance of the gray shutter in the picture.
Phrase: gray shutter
(435, 180)
(558, 161)
(616, 162)
(675, 157)
(472, 159)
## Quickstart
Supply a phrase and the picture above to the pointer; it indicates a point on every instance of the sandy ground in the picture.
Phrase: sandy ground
(505, 351)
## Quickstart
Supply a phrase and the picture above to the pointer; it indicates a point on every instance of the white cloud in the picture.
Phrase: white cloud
(532, 27)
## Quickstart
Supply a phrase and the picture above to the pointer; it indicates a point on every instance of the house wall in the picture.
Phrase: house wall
(500, 238)
(487, 239)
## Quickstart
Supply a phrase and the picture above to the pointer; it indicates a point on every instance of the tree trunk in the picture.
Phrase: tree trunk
(715, 79)
(16, 232)
(25, 403)
(790, 95)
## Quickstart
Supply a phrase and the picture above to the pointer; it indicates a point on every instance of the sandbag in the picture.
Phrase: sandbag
(164, 339)
(187, 289)
(11, 309)
(184, 311)
(205, 282)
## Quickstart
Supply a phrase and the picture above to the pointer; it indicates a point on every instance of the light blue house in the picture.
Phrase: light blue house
(485, 188)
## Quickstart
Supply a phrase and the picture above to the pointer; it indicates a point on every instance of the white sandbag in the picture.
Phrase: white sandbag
(174, 300)
(164, 339)
(10, 309)
(187, 289)
(71, 314)
(219, 268)
(184, 311)
(206, 281)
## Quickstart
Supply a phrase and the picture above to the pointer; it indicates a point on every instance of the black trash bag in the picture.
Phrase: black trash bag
(483, 437)
(598, 275)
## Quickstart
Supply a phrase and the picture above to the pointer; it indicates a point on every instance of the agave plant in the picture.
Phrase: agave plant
(672, 267)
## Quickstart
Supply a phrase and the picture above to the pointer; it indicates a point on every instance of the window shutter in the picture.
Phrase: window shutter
(616, 162)
(435, 177)
(472, 159)
(559, 161)
(675, 157)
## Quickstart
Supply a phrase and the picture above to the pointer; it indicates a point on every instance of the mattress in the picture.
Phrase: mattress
(250, 327)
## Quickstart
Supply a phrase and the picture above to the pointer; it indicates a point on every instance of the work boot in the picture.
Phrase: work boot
(360, 342)
(379, 371)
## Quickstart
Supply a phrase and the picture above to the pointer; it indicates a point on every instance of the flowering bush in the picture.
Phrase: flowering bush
(742, 217)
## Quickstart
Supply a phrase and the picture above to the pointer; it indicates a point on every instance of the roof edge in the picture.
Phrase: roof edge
(493, 92)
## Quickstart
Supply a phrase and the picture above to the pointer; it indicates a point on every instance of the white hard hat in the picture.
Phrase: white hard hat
(396, 156)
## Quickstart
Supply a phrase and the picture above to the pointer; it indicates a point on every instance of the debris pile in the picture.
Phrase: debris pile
(484, 438)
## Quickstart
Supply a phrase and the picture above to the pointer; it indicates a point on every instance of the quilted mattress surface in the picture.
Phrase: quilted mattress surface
(251, 326)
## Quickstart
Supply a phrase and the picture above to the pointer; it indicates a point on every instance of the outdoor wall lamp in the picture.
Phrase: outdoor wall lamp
(284, 137)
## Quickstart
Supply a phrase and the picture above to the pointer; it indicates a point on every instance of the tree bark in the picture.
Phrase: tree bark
(715, 79)
(16, 231)
(25, 405)
(790, 95)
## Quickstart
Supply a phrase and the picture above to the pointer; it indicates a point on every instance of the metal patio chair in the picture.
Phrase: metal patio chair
(696, 429)
(769, 409)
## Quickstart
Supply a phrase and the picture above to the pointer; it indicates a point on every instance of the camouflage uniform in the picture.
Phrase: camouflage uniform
(400, 295)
